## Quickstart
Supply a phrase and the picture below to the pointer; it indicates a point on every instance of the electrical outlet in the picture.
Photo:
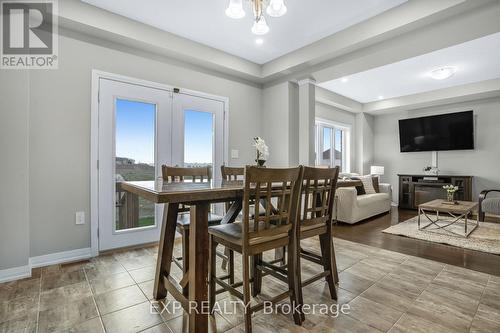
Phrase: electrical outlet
(80, 218)
(235, 153)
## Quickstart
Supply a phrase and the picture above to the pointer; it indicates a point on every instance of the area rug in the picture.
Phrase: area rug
(486, 238)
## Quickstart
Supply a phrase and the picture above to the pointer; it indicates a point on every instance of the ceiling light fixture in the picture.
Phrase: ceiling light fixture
(276, 8)
(443, 73)
(259, 41)
(235, 9)
(260, 27)
(273, 8)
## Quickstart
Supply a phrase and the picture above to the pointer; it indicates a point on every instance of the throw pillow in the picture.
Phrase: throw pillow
(375, 184)
(360, 190)
(368, 184)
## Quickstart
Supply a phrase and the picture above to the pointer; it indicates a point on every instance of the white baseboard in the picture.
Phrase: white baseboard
(60, 257)
(21, 272)
(15, 273)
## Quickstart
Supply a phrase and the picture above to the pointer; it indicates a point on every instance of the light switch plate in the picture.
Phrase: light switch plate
(80, 218)
(235, 153)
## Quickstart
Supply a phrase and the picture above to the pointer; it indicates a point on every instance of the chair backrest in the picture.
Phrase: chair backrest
(177, 174)
(231, 173)
(318, 195)
(261, 185)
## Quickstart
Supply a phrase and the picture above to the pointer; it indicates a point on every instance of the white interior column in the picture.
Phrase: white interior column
(307, 117)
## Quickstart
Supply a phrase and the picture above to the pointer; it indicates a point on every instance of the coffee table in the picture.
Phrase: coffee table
(453, 214)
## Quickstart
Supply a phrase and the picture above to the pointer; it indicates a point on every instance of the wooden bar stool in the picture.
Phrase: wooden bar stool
(251, 237)
(178, 174)
(315, 219)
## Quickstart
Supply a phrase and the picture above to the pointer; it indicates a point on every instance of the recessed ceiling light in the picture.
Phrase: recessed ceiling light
(381, 97)
(259, 41)
(344, 79)
(442, 73)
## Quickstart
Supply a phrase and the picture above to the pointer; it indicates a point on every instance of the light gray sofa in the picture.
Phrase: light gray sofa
(352, 208)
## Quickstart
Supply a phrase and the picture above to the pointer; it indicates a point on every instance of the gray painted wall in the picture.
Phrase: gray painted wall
(14, 157)
(483, 162)
(59, 141)
(275, 121)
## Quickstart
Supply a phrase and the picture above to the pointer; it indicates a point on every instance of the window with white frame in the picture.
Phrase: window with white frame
(333, 145)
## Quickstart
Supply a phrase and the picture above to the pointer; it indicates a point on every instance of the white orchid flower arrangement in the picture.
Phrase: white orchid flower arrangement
(262, 150)
(450, 188)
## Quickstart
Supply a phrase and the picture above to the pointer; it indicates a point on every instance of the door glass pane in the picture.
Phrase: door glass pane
(134, 161)
(198, 139)
(327, 145)
(339, 145)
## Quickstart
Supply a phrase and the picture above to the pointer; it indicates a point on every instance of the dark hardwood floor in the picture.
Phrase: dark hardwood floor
(370, 233)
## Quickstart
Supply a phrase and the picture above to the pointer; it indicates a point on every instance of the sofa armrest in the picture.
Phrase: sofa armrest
(347, 193)
(385, 188)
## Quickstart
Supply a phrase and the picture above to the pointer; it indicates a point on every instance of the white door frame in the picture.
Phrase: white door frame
(94, 139)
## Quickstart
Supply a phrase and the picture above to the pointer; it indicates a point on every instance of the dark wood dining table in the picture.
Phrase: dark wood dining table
(199, 197)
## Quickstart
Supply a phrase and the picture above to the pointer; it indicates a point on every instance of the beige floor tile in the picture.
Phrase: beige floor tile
(60, 280)
(119, 299)
(456, 281)
(133, 319)
(487, 319)
(66, 316)
(354, 283)
(468, 275)
(111, 282)
(383, 265)
(25, 324)
(366, 271)
(409, 323)
(89, 326)
(147, 288)
(442, 314)
(143, 274)
(162, 328)
(343, 324)
(18, 307)
(20, 288)
(451, 297)
(98, 269)
(373, 314)
(382, 294)
(59, 296)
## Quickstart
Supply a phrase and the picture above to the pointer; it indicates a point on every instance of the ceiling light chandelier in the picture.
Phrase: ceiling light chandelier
(443, 73)
(273, 8)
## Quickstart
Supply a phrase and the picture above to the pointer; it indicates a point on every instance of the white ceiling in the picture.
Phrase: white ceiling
(204, 21)
(477, 60)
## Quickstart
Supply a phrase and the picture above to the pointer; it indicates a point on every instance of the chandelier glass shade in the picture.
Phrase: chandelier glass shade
(273, 8)
(235, 9)
(260, 27)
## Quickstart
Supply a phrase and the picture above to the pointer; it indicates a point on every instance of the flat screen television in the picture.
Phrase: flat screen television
(451, 131)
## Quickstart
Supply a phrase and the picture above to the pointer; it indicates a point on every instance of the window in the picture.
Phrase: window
(333, 145)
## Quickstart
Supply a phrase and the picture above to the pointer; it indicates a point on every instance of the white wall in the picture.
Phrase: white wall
(483, 162)
(59, 141)
(364, 144)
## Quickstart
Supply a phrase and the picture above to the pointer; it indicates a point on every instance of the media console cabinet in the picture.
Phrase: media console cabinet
(417, 189)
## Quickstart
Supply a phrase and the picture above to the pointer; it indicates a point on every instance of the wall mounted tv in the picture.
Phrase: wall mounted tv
(451, 131)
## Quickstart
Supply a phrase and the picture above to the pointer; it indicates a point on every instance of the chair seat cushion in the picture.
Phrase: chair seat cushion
(183, 219)
(491, 206)
(233, 232)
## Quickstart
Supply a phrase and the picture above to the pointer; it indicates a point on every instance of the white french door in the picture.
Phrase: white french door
(140, 129)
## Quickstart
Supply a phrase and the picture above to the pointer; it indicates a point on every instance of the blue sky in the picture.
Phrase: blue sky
(135, 128)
